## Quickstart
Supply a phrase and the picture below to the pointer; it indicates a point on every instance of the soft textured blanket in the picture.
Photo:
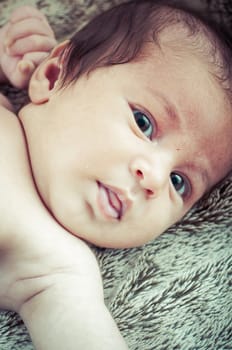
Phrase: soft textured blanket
(176, 292)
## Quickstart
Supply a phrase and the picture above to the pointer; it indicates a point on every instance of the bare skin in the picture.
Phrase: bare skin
(47, 275)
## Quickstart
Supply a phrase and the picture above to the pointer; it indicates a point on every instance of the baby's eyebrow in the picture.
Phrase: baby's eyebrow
(169, 107)
(202, 172)
(171, 110)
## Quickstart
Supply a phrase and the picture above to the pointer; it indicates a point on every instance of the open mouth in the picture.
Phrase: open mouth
(110, 202)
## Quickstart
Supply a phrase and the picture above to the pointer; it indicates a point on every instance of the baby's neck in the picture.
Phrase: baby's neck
(36, 146)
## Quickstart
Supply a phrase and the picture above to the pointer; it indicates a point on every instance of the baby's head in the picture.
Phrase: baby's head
(130, 123)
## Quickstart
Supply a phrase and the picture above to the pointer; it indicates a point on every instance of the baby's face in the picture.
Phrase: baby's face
(124, 154)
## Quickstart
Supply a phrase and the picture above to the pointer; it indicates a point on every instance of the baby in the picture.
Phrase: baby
(129, 125)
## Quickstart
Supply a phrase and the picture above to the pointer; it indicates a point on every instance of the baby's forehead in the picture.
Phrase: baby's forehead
(181, 38)
(175, 43)
(200, 43)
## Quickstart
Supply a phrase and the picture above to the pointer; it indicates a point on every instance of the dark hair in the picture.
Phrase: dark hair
(118, 35)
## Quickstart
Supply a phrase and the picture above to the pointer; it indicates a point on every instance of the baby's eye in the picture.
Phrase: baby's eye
(181, 184)
(144, 123)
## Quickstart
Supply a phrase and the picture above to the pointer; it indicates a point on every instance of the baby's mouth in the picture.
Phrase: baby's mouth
(111, 202)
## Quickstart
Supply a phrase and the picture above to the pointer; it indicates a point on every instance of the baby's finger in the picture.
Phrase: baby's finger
(31, 43)
(3, 34)
(25, 67)
(23, 73)
(26, 28)
(35, 57)
(24, 12)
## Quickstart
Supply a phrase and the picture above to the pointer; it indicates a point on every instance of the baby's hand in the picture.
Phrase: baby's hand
(25, 41)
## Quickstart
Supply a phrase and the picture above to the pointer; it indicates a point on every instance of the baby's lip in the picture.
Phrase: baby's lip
(113, 201)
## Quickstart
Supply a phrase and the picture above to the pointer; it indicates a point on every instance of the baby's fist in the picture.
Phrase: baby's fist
(25, 41)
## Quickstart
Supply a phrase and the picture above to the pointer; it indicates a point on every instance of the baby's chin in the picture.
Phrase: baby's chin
(115, 240)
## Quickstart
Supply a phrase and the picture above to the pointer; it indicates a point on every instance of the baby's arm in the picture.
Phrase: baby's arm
(25, 41)
(50, 277)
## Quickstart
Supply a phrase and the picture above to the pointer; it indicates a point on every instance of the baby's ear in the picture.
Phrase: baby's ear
(46, 75)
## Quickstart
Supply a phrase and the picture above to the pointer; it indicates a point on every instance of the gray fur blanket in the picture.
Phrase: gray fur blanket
(173, 293)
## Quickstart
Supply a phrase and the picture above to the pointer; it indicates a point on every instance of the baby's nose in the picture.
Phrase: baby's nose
(151, 174)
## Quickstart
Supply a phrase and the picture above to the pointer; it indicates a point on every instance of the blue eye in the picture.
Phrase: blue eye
(180, 183)
(144, 123)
